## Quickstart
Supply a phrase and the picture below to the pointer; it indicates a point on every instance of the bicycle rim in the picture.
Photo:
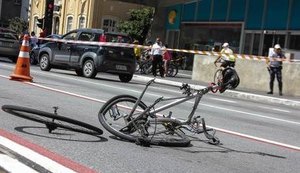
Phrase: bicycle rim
(114, 116)
(52, 120)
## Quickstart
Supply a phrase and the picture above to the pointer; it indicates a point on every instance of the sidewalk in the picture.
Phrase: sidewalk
(184, 76)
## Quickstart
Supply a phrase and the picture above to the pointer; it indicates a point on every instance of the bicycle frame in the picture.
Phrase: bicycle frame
(197, 95)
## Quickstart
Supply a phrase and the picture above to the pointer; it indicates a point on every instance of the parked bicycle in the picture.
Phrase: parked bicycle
(145, 67)
(129, 118)
(179, 60)
(52, 120)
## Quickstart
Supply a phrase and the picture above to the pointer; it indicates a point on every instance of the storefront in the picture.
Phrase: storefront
(249, 26)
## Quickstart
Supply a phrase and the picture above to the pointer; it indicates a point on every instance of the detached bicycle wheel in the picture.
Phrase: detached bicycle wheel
(114, 116)
(52, 121)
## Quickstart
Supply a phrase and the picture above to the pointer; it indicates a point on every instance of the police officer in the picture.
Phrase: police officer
(275, 67)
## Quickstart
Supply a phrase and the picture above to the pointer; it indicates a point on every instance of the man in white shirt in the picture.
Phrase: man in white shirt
(157, 59)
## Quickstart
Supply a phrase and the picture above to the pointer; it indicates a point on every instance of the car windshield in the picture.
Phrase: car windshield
(117, 38)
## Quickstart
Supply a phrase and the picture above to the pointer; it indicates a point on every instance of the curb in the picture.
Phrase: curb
(230, 93)
(262, 98)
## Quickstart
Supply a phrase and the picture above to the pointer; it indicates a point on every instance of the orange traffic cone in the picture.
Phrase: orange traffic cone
(22, 70)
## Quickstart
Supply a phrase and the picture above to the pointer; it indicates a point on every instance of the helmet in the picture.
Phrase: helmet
(277, 46)
(225, 44)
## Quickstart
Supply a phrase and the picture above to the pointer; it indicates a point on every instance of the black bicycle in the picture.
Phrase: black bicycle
(52, 120)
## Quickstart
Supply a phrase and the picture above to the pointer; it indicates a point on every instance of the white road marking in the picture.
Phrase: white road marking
(13, 165)
(253, 114)
(275, 109)
(223, 100)
(47, 163)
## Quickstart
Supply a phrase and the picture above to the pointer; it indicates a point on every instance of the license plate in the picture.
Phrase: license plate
(121, 67)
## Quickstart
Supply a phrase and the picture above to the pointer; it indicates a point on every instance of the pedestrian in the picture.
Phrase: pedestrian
(275, 67)
(157, 58)
(137, 51)
(33, 39)
(167, 56)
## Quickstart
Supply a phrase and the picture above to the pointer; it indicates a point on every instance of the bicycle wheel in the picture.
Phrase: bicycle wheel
(137, 67)
(146, 67)
(52, 121)
(114, 117)
(172, 70)
(218, 77)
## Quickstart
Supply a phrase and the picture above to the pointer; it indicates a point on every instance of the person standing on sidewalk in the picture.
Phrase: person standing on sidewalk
(157, 58)
(167, 56)
(275, 67)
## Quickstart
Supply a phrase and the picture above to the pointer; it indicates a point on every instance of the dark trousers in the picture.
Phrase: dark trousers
(157, 61)
(275, 71)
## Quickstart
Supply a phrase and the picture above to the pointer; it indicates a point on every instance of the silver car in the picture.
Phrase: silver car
(9, 44)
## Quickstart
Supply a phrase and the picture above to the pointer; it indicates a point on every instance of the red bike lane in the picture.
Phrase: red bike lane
(40, 157)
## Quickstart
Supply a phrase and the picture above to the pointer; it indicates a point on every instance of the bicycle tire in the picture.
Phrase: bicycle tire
(115, 109)
(172, 70)
(52, 119)
(146, 67)
(218, 76)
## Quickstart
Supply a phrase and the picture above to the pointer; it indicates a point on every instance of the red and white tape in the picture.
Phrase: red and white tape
(210, 53)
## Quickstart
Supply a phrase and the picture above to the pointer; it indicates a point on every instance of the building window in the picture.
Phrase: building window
(69, 23)
(81, 23)
(295, 42)
(56, 25)
(109, 25)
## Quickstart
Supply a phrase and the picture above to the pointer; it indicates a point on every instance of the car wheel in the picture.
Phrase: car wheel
(89, 69)
(79, 72)
(45, 62)
(33, 60)
(125, 77)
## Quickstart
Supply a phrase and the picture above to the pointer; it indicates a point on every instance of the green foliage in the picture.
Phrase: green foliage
(18, 24)
(138, 24)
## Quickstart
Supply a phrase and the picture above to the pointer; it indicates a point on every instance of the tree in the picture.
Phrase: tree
(138, 24)
(18, 24)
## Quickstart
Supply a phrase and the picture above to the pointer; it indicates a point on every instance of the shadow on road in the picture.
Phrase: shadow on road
(59, 134)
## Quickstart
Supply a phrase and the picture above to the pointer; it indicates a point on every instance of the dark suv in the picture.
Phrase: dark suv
(89, 59)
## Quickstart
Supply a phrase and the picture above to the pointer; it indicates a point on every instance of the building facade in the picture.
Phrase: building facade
(17, 8)
(250, 26)
(73, 14)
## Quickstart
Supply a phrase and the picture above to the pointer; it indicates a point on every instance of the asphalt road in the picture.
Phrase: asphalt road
(256, 137)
